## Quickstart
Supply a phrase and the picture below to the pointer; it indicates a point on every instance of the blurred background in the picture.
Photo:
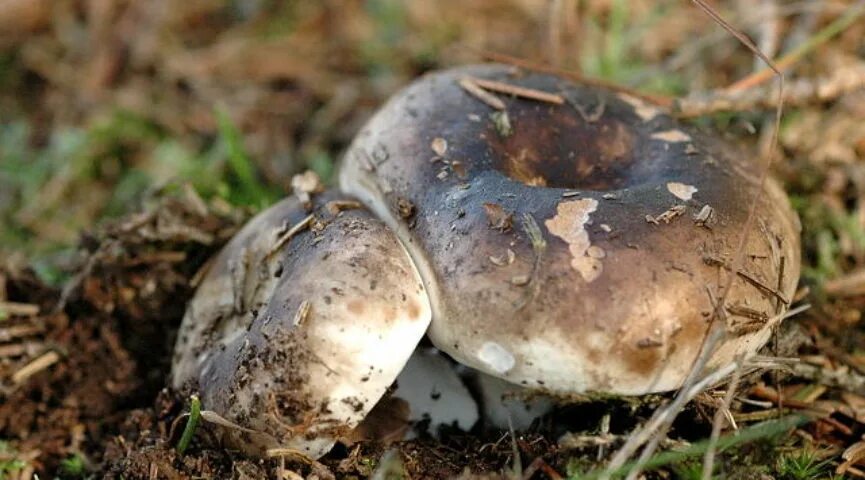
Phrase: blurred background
(110, 106)
(103, 102)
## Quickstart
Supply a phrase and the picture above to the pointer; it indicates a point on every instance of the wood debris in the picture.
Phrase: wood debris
(770, 291)
(848, 285)
(439, 146)
(284, 238)
(498, 218)
(852, 455)
(704, 216)
(744, 319)
(539, 246)
(334, 207)
(20, 331)
(503, 260)
(35, 366)
(468, 84)
(668, 216)
(15, 309)
(304, 185)
(517, 91)
(588, 116)
(405, 208)
(797, 92)
(301, 314)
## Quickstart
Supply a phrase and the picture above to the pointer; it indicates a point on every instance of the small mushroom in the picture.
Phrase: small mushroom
(624, 313)
(294, 335)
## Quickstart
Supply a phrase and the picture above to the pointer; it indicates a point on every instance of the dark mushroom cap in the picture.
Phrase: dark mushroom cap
(578, 246)
(295, 340)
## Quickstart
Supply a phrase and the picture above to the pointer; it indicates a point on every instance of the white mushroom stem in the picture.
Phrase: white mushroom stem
(505, 405)
(435, 392)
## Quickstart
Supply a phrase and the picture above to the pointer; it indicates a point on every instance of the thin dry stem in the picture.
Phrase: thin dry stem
(19, 309)
(659, 100)
(37, 365)
(468, 84)
(663, 416)
(721, 414)
(517, 91)
(840, 24)
(291, 232)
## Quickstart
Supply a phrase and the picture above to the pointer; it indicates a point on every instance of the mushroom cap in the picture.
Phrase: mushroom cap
(573, 247)
(295, 340)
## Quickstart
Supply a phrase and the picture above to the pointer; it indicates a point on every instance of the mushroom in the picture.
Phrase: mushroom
(579, 308)
(565, 239)
(301, 325)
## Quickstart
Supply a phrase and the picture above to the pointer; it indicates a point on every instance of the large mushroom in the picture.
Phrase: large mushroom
(613, 278)
(568, 239)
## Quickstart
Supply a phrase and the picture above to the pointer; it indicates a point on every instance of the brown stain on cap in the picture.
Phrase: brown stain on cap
(356, 307)
(554, 147)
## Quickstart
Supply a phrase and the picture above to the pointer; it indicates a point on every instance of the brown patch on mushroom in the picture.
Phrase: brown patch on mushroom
(639, 359)
(356, 307)
(569, 224)
(414, 310)
(616, 142)
(553, 146)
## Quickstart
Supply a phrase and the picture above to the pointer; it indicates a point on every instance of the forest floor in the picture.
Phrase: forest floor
(137, 137)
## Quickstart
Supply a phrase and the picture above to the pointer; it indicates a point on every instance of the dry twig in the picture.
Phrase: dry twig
(468, 84)
(517, 91)
(799, 92)
(718, 421)
(839, 25)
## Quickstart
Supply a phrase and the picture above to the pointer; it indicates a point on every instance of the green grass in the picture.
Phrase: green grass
(73, 178)
(690, 470)
(9, 463)
(802, 465)
(191, 424)
(727, 443)
(615, 58)
(73, 467)
(246, 187)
